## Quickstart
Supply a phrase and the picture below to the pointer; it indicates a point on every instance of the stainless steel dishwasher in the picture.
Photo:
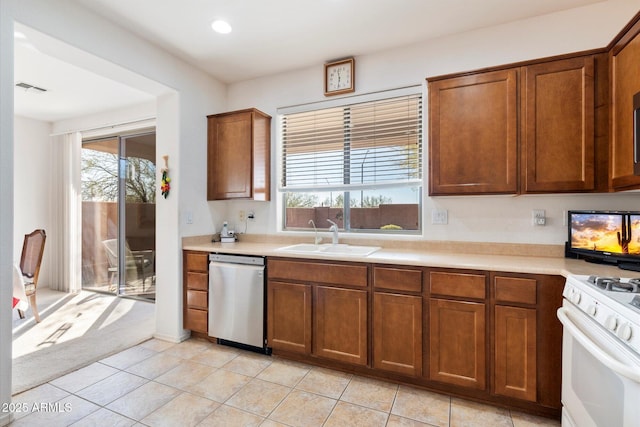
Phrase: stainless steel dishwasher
(236, 300)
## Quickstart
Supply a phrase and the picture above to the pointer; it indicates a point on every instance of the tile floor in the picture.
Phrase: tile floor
(199, 383)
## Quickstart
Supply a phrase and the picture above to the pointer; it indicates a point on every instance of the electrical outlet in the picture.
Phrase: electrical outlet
(251, 216)
(242, 216)
(538, 217)
(439, 216)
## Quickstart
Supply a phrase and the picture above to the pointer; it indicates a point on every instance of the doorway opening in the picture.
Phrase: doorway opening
(118, 215)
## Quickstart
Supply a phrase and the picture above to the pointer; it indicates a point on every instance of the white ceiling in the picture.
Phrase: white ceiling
(268, 37)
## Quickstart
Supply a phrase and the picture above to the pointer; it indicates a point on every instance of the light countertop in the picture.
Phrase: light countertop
(500, 259)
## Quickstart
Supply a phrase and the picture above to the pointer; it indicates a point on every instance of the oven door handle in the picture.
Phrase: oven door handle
(622, 369)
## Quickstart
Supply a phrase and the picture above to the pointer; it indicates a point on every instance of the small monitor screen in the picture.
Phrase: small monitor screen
(596, 232)
(614, 233)
(634, 244)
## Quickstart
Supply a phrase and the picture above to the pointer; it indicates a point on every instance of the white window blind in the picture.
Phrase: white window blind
(370, 144)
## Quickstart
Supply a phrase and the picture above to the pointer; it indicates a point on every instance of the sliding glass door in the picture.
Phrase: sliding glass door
(118, 215)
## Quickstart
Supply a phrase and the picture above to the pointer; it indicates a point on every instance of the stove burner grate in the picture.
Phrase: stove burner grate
(615, 284)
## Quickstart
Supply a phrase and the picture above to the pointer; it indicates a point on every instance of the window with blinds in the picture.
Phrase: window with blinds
(359, 165)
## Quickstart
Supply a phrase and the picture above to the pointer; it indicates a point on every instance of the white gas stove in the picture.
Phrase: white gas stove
(600, 352)
(612, 302)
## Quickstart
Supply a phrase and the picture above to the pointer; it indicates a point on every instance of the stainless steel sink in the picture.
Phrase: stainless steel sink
(329, 249)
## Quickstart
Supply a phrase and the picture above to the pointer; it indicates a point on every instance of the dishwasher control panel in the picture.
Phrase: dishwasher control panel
(237, 259)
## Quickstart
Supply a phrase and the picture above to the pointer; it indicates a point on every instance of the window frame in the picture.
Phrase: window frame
(341, 103)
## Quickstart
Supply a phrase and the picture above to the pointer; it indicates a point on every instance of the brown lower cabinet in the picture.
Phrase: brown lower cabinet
(289, 316)
(489, 336)
(340, 327)
(196, 291)
(457, 342)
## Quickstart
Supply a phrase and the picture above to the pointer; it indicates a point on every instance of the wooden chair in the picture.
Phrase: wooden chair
(32, 250)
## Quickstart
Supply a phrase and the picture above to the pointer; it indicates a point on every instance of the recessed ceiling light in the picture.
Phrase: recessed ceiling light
(221, 27)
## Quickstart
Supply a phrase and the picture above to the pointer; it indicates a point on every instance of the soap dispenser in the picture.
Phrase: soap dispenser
(225, 230)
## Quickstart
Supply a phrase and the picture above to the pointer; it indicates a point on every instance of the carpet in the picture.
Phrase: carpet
(75, 331)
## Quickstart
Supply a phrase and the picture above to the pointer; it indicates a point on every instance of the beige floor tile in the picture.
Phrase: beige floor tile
(259, 397)
(155, 365)
(156, 344)
(104, 417)
(325, 382)
(226, 416)
(396, 421)
(24, 402)
(220, 385)
(216, 355)
(185, 410)
(188, 349)
(128, 357)
(248, 364)
(302, 409)
(347, 414)
(77, 380)
(112, 388)
(144, 400)
(526, 420)
(421, 405)
(63, 413)
(186, 374)
(371, 393)
(467, 413)
(284, 372)
(271, 423)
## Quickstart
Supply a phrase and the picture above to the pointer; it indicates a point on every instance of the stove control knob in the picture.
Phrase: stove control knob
(575, 297)
(611, 323)
(624, 332)
(592, 309)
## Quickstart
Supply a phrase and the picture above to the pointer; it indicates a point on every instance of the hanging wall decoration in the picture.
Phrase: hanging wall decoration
(164, 185)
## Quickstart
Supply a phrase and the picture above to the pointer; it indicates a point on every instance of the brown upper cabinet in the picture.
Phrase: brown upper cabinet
(238, 155)
(473, 134)
(557, 125)
(481, 123)
(625, 61)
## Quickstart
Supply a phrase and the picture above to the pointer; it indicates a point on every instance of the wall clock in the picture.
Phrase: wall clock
(339, 77)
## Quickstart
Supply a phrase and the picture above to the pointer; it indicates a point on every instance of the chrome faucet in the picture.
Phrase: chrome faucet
(316, 239)
(334, 230)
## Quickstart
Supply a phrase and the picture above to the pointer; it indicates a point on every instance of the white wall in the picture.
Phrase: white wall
(480, 218)
(184, 97)
(32, 173)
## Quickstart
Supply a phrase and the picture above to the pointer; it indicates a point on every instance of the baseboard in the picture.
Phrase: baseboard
(171, 338)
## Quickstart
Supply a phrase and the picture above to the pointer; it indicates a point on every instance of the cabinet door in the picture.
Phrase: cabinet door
(397, 333)
(558, 110)
(457, 340)
(341, 324)
(289, 317)
(625, 61)
(229, 156)
(515, 352)
(473, 134)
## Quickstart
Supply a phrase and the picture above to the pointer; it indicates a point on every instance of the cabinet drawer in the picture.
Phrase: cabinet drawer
(196, 320)
(197, 281)
(457, 284)
(320, 272)
(197, 299)
(398, 279)
(197, 261)
(514, 289)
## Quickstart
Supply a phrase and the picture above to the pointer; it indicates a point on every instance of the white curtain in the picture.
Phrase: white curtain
(65, 239)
